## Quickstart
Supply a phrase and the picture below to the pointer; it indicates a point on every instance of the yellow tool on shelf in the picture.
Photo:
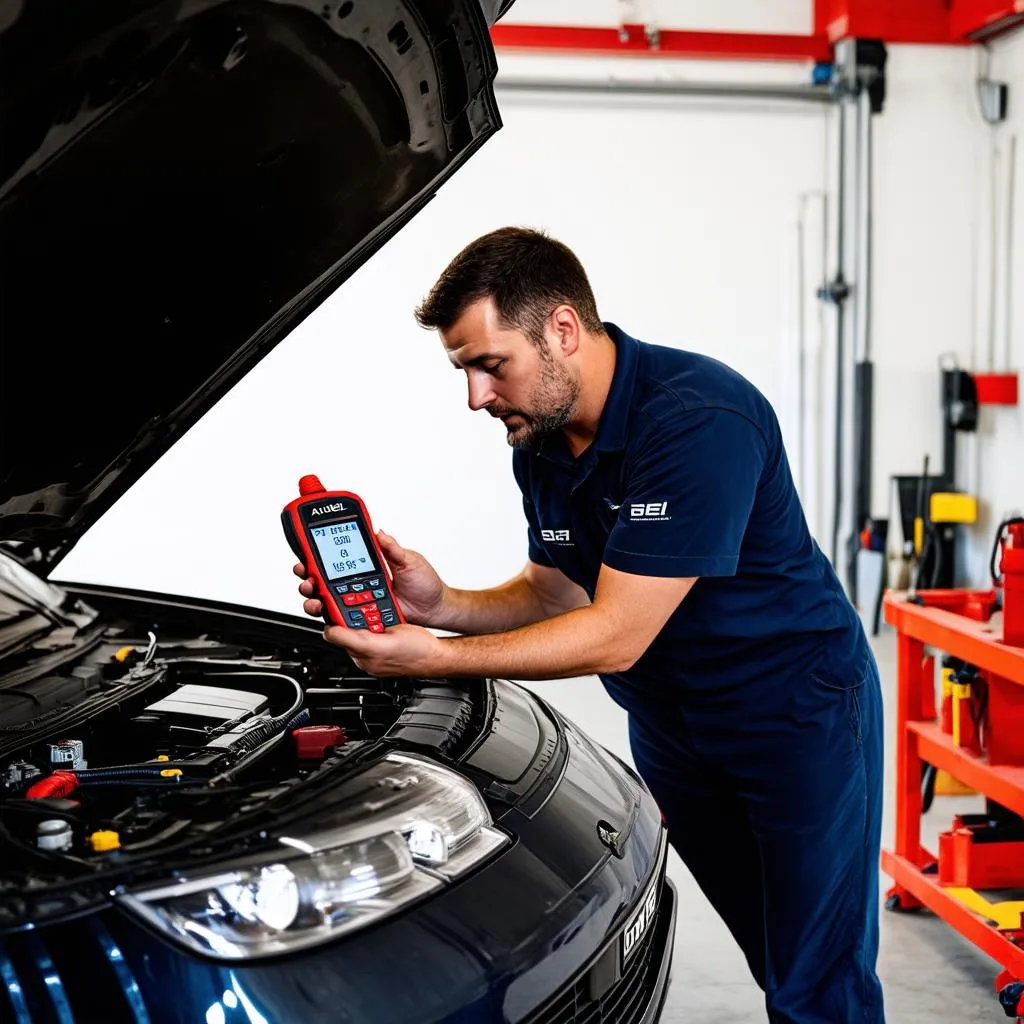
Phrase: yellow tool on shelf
(1006, 916)
(945, 784)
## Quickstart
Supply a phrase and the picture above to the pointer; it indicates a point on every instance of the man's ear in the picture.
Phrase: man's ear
(567, 327)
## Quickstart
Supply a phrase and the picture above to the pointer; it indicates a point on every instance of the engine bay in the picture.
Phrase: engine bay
(172, 746)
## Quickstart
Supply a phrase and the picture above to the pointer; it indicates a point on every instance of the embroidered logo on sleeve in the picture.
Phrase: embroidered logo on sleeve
(651, 512)
(556, 536)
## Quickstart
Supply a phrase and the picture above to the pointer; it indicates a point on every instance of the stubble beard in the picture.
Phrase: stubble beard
(552, 405)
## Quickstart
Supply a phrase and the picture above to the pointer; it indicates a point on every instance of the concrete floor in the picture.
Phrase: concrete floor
(929, 973)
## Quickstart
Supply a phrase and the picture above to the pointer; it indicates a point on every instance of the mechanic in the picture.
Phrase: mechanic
(668, 553)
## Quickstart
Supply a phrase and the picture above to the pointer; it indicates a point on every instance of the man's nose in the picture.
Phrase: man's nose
(481, 394)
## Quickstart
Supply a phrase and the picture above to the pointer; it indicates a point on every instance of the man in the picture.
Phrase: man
(669, 554)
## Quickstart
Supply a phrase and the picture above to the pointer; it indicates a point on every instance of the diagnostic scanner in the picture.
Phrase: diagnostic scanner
(331, 534)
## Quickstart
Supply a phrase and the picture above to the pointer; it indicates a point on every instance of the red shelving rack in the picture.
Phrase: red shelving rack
(948, 628)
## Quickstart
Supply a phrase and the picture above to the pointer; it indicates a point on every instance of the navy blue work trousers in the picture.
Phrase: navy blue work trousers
(775, 807)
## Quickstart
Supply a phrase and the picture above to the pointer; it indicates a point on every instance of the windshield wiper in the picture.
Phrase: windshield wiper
(15, 633)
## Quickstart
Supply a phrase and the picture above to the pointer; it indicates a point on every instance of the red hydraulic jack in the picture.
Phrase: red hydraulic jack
(984, 752)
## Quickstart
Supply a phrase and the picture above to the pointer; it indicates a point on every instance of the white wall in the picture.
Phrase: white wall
(997, 468)
(932, 276)
(684, 212)
(926, 165)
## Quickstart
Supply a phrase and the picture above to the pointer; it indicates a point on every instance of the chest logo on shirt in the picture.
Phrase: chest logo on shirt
(652, 511)
(556, 536)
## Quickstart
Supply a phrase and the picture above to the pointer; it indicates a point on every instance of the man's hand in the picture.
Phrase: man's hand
(418, 588)
(402, 650)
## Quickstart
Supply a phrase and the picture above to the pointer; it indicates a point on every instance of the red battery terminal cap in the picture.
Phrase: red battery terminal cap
(313, 741)
(310, 485)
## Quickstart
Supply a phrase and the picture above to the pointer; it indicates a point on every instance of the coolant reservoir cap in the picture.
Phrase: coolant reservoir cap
(54, 834)
(105, 840)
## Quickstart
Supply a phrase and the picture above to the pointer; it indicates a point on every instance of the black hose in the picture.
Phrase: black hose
(252, 755)
(90, 775)
(261, 733)
(997, 577)
(279, 676)
(138, 780)
(161, 837)
(929, 774)
(932, 545)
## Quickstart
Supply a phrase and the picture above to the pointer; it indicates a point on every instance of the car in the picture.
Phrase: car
(207, 813)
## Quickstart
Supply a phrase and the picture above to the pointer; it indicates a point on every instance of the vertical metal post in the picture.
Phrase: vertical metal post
(863, 408)
(838, 295)
(993, 254)
(801, 400)
(1011, 189)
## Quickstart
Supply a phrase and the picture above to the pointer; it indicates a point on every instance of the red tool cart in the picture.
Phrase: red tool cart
(976, 736)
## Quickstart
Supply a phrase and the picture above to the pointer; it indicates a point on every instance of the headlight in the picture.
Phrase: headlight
(405, 828)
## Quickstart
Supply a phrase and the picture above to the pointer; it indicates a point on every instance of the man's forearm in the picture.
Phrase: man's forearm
(579, 642)
(508, 606)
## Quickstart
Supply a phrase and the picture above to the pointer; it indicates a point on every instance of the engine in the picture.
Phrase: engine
(168, 748)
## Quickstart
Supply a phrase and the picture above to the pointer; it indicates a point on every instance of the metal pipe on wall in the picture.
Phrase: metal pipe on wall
(801, 93)
(1011, 189)
(805, 388)
(864, 215)
(863, 402)
(801, 330)
(819, 376)
(841, 202)
(993, 255)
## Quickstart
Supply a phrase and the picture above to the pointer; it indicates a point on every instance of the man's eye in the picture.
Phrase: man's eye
(494, 367)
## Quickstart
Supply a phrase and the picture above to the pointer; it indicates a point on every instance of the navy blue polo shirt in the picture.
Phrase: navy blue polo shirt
(688, 477)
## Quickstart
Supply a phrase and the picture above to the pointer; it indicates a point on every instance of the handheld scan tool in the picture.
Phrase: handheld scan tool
(331, 534)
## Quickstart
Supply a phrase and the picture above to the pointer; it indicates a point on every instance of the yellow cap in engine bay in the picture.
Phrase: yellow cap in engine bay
(105, 840)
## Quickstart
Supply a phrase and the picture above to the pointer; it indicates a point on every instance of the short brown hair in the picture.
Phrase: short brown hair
(524, 271)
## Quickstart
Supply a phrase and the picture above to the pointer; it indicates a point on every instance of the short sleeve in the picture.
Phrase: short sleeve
(534, 547)
(688, 497)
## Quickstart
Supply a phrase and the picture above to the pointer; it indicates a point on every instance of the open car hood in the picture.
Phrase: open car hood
(180, 184)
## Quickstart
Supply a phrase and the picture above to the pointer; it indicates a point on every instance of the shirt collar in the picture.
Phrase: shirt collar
(615, 417)
(613, 426)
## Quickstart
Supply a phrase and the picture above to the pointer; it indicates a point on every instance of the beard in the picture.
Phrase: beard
(552, 404)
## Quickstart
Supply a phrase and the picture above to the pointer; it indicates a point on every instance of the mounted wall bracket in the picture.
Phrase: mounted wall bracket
(860, 64)
(994, 100)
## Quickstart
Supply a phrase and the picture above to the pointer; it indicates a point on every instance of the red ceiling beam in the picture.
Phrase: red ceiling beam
(944, 22)
(638, 41)
(975, 19)
(893, 21)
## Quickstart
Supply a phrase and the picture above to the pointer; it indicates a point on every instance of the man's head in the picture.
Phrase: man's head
(512, 310)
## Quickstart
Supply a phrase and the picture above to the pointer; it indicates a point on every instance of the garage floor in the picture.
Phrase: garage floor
(929, 973)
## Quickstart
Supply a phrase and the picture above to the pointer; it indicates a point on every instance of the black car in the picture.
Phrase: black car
(207, 814)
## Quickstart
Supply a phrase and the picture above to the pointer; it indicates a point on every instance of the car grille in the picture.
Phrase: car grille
(68, 974)
(628, 998)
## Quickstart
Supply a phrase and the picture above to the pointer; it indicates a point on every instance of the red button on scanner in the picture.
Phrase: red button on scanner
(351, 598)
(372, 617)
(375, 627)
